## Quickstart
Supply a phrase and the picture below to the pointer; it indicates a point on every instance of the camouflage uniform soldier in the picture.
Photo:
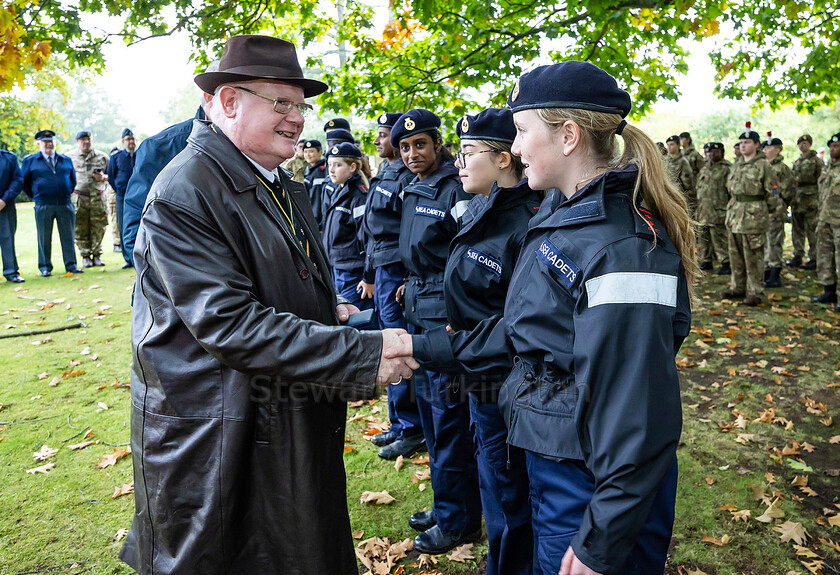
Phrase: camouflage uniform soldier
(712, 197)
(737, 150)
(297, 165)
(680, 171)
(695, 158)
(780, 184)
(828, 227)
(805, 204)
(89, 199)
(747, 216)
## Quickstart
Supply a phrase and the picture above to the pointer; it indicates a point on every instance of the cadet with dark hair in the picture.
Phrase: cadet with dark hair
(383, 213)
(120, 169)
(695, 158)
(314, 177)
(680, 171)
(805, 205)
(712, 197)
(780, 186)
(11, 182)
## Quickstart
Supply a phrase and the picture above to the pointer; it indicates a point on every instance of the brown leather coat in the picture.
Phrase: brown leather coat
(240, 379)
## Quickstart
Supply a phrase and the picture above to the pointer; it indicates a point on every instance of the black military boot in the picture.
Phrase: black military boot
(707, 266)
(435, 542)
(828, 296)
(724, 270)
(422, 520)
(794, 262)
(773, 279)
(810, 265)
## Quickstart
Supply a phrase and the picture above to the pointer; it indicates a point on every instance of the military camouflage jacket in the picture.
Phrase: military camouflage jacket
(830, 193)
(84, 166)
(695, 160)
(782, 179)
(712, 195)
(806, 172)
(751, 198)
(680, 172)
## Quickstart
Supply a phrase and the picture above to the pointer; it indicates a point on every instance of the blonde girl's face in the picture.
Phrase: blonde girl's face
(541, 151)
(340, 170)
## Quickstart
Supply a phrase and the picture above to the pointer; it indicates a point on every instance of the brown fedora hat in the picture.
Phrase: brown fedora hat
(254, 57)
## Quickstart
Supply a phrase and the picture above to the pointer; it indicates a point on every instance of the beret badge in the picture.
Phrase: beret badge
(383, 118)
(409, 124)
(334, 150)
(331, 123)
(514, 94)
(465, 125)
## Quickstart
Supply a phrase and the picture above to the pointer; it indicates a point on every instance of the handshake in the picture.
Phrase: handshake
(396, 362)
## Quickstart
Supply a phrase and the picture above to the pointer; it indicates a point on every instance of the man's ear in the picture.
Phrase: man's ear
(227, 100)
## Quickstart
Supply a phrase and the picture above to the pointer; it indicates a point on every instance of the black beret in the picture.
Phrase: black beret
(388, 119)
(44, 135)
(413, 122)
(805, 138)
(340, 134)
(773, 142)
(715, 146)
(834, 139)
(490, 124)
(337, 123)
(750, 135)
(673, 139)
(83, 134)
(685, 135)
(126, 132)
(344, 150)
(570, 84)
(312, 144)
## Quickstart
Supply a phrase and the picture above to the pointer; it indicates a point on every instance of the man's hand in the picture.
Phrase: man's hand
(400, 292)
(572, 565)
(345, 310)
(2, 205)
(396, 362)
(365, 290)
(100, 177)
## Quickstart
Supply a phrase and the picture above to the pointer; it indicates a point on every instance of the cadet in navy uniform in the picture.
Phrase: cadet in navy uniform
(597, 308)
(478, 272)
(11, 182)
(383, 212)
(49, 179)
(313, 178)
(343, 222)
(432, 204)
(120, 169)
(336, 124)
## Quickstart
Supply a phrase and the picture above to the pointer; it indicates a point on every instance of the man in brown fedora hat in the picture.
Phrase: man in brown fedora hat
(241, 370)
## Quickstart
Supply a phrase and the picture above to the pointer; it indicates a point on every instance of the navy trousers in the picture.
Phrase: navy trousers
(65, 217)
(120, 200)
(446, 427)
(345, 283)
(504, 493)
(402, 409)
(560, 493)
(8, 227)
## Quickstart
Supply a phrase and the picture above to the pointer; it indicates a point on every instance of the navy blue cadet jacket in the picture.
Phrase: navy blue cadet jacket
(11, 179)
(152, 156)
(483, 254)
(120, 169)
(343, 224)
(593, 320)
(431, 209)
(383, 213)
(313, 179)
(43, 185)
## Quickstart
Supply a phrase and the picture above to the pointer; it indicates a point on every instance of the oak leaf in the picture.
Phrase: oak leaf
(81, 445)
(462, 553)
(42, 469)
(398, 464)
(44, 453)
(124, 490)
(773, 511)
(112, 458)
(121, 533)
(791, 531)
(377, 498)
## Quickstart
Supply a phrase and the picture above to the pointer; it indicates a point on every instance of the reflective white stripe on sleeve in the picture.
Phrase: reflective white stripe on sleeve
(459, 209)
(632, 287)
(358, 211)
(317, 181)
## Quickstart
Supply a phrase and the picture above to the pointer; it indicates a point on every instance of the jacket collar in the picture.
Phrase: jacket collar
(587, 205)
(498, 199)
(445, 170)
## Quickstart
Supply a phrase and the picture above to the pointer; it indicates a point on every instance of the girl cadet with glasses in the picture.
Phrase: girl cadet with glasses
(432, 203)
(597, 308)
(478, 272)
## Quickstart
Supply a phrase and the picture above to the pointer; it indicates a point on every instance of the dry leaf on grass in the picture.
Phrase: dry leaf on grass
(44, 453)
(773, 511)
(81, 445)
(743, 515)
(42, 469)
(112, 458)
(377, 498)
(461, 554)
(124, 490)
(715, 541)
(121, 533)
(398, 464)
(791, 531)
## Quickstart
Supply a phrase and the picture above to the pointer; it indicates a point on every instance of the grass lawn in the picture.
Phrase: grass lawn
(760, 389)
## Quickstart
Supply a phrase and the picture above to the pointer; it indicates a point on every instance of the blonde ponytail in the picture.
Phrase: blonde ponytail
(659, 194)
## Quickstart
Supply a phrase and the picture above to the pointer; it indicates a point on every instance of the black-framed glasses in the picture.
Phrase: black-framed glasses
(461, 157)
(282, 106)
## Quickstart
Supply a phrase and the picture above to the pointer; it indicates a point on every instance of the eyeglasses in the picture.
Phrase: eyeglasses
(282, 106)
(461, 157)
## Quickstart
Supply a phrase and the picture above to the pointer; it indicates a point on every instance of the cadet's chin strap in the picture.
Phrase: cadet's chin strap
(620, 127)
